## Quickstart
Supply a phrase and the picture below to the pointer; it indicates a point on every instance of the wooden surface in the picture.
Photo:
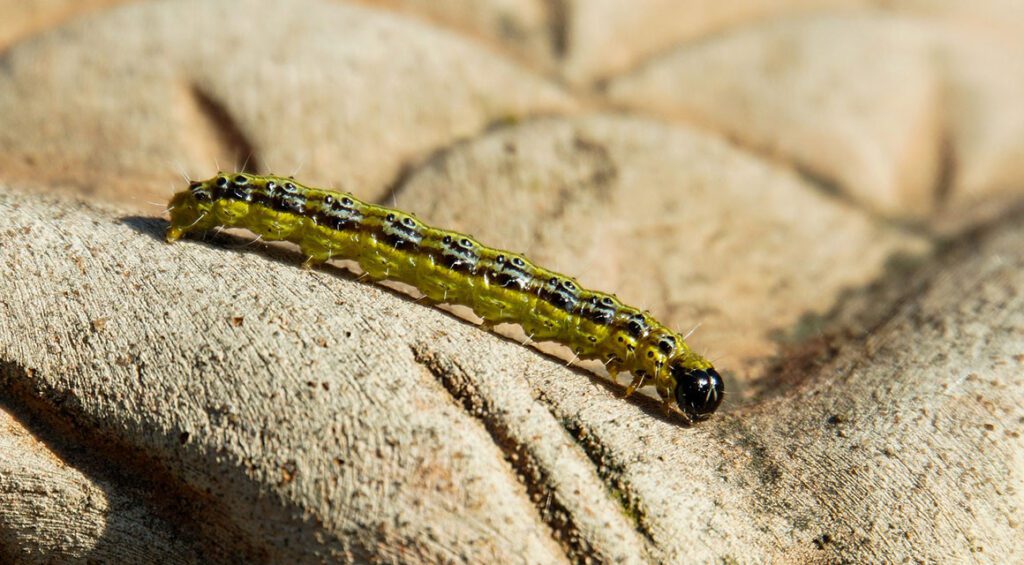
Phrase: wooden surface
(830, 189)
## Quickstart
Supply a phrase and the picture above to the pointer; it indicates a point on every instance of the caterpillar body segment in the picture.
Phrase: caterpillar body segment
(451, 267)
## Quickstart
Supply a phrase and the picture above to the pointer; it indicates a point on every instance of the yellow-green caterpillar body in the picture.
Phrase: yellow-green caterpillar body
(450, 267)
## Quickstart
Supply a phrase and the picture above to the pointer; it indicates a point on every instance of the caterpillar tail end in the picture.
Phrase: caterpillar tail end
(173, 234)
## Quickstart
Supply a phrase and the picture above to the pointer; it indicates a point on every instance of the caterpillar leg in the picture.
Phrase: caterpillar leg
(317, 253)
(312, 262)
(614, 368)
(426, 300)
(666, 398)
(638, 382)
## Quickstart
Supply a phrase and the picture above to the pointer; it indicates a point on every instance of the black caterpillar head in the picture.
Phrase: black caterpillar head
(698, 391)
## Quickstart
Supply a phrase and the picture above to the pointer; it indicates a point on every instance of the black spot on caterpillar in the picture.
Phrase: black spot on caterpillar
(450, 267)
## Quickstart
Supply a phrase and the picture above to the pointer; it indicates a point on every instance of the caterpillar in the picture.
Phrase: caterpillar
(453, 268)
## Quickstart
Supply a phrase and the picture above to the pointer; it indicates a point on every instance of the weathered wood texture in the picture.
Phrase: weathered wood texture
(831, 188)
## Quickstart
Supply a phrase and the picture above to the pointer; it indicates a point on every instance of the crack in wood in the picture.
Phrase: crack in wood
(527, 469)
(608, 470)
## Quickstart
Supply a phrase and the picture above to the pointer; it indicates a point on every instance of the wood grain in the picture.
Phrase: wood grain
(832, 188)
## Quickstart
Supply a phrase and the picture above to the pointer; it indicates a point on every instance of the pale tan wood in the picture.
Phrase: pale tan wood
(272, 393)
(211, 401)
